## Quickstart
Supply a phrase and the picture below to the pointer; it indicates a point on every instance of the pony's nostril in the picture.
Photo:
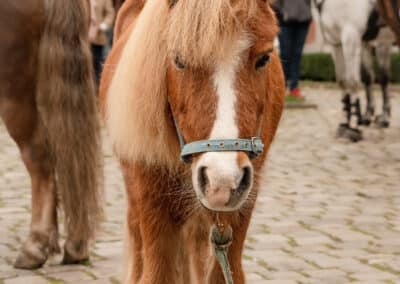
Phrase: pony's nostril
(202, 178)
(246, 180)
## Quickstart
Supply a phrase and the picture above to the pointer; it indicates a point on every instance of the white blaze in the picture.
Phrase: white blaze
(224, 78)
(222, 167)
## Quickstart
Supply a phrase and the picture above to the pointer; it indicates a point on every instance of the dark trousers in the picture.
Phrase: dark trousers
(291, 40)
(97, 55)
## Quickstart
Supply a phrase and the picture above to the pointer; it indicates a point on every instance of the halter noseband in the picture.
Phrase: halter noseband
(253, 146)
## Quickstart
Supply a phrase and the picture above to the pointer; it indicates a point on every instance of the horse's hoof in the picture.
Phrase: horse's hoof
(34, 252)
(54, 248)
(29, 260)
(346, 132)
(367, 118)
(75, 252)
(382, 122)
(70, 260)
(365, 121)
(53, 245)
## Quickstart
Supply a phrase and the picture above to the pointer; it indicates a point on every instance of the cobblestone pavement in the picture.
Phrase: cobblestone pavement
(329, 211)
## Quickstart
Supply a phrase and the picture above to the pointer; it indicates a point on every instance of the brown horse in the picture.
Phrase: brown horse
(48, 104)
(390, 11)
(209, 66)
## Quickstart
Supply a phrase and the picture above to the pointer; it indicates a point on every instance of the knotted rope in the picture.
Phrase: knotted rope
(221, 238)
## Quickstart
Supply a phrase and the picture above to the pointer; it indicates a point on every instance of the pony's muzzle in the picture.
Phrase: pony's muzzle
(222, 181)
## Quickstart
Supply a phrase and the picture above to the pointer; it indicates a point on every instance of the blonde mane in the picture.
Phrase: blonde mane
(201, 31)
(137, 110)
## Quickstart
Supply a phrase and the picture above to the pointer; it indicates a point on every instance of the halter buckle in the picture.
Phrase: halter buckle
(257, 147)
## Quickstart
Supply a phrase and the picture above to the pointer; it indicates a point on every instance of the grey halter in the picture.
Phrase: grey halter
(253, 146)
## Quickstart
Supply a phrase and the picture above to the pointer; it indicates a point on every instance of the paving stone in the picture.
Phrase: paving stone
(97, 281)
(280, 282)
(373, 282)
(322, 260)
(288, 275)
(375, 275)
(26, 280)
(75, 276)
(327, 276)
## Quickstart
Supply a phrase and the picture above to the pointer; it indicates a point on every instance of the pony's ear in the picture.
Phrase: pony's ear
(171, 3)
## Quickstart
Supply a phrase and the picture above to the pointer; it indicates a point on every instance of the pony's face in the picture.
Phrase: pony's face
(222, 100)
(209, 60)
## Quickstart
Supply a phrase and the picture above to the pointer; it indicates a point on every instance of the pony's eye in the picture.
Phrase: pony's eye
(262, 61)
(178, 63)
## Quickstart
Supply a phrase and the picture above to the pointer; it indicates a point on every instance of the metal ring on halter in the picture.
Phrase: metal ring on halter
(221, 242)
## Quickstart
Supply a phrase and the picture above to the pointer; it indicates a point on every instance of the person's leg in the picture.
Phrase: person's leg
(97, 53)
(299, 36)
(285, 45)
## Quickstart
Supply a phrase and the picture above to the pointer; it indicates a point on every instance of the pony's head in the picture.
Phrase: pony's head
(204, 64)
(218, 54)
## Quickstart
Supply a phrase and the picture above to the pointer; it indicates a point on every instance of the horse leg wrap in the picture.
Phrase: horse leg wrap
(357, 111)
(352, 109)
(347, 107)
(222, 239)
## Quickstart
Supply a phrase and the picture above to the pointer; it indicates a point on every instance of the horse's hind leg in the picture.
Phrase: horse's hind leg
(383, 55)
(29, 135)
(368, 78)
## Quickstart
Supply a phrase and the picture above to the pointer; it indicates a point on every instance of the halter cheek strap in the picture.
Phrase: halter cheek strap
(253, 146)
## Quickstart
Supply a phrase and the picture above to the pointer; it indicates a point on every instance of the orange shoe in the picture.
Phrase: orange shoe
(296, 93)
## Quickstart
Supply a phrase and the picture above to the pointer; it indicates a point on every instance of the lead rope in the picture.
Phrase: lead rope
(221, 240)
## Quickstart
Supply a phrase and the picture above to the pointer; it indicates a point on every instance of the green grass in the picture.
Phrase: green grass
(113, 280)
(292, 99)
(320, 67)
(55, 281)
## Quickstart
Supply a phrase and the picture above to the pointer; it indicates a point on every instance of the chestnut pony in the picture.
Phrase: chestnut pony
(48, 104)
(209, 66)
(390, 11)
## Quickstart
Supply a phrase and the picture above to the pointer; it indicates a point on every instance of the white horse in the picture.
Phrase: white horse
(350, 27)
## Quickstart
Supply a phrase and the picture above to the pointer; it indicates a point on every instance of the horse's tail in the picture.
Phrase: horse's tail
(67, 104)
